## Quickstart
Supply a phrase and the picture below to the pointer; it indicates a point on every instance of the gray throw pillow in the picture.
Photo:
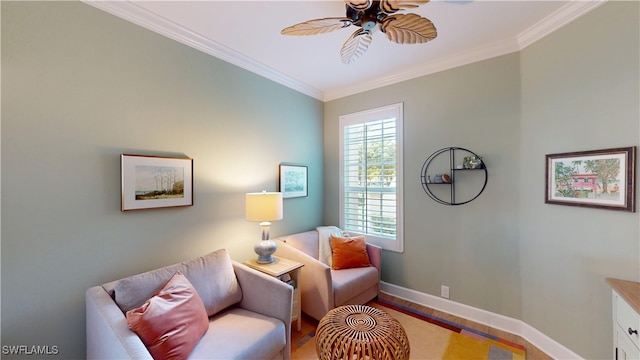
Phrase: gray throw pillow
(212, 276)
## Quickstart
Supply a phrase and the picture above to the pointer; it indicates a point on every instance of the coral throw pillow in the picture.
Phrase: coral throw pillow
(172, 322)
(349, 252)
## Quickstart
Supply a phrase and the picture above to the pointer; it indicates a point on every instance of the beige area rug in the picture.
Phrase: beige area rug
(427, 341)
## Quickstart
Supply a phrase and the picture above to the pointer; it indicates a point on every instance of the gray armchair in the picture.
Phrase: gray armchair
(322, 288)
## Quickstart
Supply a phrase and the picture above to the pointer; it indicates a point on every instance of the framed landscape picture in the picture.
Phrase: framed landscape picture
(293, 181)
(155, 182)
(598, 178)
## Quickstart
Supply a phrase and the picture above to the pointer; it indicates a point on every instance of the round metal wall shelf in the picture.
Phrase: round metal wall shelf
(436, 169)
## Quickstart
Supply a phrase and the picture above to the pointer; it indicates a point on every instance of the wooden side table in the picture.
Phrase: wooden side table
(278, 268)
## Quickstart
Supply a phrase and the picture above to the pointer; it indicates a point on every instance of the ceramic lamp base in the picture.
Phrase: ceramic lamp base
(265, 250)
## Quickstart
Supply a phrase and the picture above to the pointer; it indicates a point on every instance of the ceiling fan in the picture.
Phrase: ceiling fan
(370, 15)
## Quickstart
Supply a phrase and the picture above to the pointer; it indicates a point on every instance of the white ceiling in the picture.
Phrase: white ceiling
(247, 34)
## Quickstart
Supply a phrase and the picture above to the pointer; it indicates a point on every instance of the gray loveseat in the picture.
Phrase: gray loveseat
(249, 312)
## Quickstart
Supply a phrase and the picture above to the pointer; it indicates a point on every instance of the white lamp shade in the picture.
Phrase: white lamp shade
(264, 206)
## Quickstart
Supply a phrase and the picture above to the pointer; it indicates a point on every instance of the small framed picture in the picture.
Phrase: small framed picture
(155, 182)
(599, 178)
(293, 181)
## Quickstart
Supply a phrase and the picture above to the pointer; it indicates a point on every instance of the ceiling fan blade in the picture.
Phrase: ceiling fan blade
(317, 26)
(391, 6)
(409, 29)
(355, 46)
(359, 4)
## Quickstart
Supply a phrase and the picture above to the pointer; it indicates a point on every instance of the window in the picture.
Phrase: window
(371, 175)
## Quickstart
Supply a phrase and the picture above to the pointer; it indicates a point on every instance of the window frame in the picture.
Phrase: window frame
(376, 114)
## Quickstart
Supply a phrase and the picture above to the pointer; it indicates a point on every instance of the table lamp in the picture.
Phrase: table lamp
(264, 207)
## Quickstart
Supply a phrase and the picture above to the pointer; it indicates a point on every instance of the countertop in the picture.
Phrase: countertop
(629, 290)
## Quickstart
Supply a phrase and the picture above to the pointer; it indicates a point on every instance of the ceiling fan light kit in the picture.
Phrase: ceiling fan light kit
(370, 15)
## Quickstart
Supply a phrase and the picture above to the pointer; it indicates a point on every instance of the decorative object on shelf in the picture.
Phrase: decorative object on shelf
(293, 181)
(369, 16)
(472, 164)
(264, 207)
(149, 182)
(602, 179)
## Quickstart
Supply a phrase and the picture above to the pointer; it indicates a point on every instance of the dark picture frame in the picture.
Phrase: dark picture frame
(602, 179)
(294, 181)
(149, 182)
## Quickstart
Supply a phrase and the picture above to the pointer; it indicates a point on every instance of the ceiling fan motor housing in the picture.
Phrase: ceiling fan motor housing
(367, 18)
(367, 14)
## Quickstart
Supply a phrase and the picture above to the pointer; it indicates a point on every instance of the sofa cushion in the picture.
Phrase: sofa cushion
(348, 283)
(241, 334)
(349, 252)
(212, 276)
(171, 322)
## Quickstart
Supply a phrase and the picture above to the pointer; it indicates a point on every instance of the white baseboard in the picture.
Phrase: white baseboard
(496, 321)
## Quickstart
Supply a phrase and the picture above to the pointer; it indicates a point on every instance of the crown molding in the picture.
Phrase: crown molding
(142, 17)
(431, 67)
(135, 14)
(563, 16)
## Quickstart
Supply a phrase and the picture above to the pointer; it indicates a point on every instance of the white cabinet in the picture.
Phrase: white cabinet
(626, 319)
(623, 347)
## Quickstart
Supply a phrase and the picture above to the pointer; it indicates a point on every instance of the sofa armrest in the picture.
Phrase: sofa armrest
(316, 284)
(375, 256)
(108, 334)
(266, 295)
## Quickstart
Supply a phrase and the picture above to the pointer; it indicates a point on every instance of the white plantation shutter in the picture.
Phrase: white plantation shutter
(371, 175)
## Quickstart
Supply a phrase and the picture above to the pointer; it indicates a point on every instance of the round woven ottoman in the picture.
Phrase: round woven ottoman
(360, 332)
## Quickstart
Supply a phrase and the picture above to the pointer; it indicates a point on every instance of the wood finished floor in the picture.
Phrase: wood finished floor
(309, 324)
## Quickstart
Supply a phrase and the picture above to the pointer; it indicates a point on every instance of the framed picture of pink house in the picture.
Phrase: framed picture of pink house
(598, 178)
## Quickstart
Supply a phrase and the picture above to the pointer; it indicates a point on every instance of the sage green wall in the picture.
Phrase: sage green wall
(467, 247)
(507, 252)
(580, 91)
(80, 87)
